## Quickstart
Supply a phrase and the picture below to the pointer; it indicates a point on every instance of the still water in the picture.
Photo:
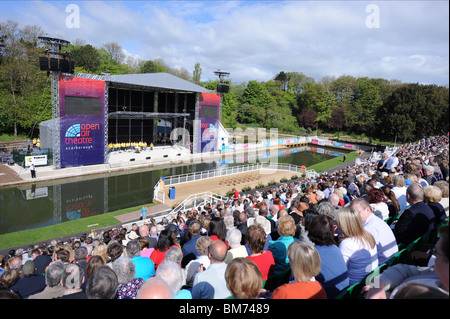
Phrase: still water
(50, 203)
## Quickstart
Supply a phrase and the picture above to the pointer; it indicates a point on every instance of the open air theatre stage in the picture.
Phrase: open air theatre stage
(127, 108)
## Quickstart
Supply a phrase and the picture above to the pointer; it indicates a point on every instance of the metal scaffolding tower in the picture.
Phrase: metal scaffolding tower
(53, 46)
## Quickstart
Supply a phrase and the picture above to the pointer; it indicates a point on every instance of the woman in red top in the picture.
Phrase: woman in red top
(255, 238)
(218, 230)
(165, 241)
(305, 265)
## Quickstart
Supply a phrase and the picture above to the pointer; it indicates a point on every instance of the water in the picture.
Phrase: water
(44, 204)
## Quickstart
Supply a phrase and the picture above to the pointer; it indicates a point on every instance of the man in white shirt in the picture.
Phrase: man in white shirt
(380, 230)
(211, 284)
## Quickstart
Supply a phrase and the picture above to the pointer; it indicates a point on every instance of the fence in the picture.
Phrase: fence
(159, 194)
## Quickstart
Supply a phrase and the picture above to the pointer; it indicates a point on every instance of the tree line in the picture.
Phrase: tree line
(291, 101)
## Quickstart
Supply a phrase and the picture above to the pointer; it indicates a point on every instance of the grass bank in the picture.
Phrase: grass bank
(83, 225)
(333, 162)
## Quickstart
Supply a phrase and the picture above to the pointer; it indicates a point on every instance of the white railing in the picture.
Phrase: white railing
(159, 194)
(196, 200)
(192, 177)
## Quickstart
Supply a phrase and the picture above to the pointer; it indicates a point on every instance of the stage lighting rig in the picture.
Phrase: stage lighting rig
(224, 85)
(52, 59)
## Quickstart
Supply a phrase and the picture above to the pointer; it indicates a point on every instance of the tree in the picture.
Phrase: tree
(413, 111)
(307, 118)
(316, 97)
(151, 67)
(114, 51)
(197, 74)
(21, 81)
(86, 57)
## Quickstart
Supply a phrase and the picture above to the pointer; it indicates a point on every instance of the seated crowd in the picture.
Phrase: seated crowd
(309, 239)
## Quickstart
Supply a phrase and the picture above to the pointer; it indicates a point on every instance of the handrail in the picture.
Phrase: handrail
(190, 177)
(197, 197)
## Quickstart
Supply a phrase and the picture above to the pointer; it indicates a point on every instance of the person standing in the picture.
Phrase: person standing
(33, 171)
(144, 212)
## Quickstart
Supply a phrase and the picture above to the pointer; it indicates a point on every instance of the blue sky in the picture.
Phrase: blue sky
(255, 40)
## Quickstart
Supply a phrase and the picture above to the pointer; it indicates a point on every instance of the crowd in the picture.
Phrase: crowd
(309, 239)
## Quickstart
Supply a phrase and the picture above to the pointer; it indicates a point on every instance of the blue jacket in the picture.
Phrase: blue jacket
(279, 250)
(413, 223)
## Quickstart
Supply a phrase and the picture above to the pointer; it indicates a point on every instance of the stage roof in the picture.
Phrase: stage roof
(159, 81)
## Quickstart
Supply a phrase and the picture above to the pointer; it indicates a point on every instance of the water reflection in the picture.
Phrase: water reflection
(54, 202)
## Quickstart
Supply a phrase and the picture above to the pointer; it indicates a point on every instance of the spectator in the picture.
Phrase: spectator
(128, 283)
(29, 284)
(217, 229)
(146, 250)
(416, 220)
(333, 273)
(433, 196)
(53, 277)
(101, 250)
(399, 190)
(243, 278)
(391, 201)
(377, 203)
(429, 176)
(8, 278)
(40, 261)
(286, 229)
(165, 241)
(144, 231)
(381, 232)
(202, 247)
(256, 241)
(210, 284)
(94, 263)
(396, 276)
(114, 250)
(81, 254)
(443, 186)
(242, 224)
(234, 237)
(103, 284)
(144, 267)
(305, 263)
(172, 274)
(155, 288)
(188, 249)
(358, 246)
(73, 278)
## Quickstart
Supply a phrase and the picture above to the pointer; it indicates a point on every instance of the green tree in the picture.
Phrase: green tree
(21, 82)
(86, 57)
(197, 74)
(151, 67)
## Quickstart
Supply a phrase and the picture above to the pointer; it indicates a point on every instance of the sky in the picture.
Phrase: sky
(255, 40)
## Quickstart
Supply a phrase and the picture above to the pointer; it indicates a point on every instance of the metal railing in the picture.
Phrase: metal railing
(159, 194)
(196, 176)
(199, 199)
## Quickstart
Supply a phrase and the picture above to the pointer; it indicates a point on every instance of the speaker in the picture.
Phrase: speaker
(71, 67)
(64, 66)
(54, 65)
(43, 63)
(223, 88)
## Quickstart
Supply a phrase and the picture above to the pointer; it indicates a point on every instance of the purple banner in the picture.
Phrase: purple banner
(82, 121)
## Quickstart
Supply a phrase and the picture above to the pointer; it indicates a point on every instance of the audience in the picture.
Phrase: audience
(323, 231)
